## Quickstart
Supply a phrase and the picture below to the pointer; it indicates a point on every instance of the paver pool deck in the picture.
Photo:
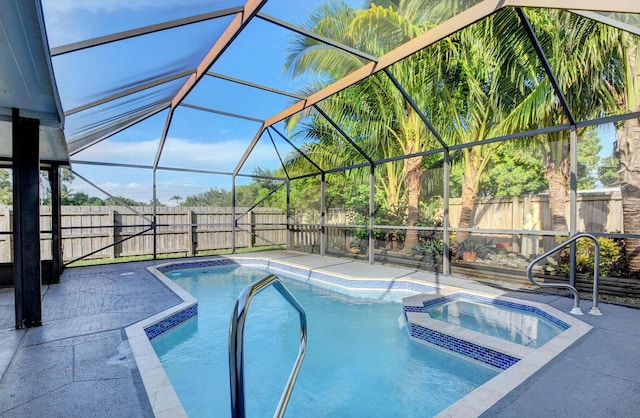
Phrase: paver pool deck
(79, 363)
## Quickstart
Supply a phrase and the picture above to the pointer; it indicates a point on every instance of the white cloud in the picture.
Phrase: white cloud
(181, 153)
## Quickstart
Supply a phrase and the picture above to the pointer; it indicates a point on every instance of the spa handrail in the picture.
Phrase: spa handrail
(236, 345)
(595, 309)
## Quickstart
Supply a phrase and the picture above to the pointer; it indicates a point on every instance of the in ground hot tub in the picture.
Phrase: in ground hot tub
(496, 331)
(515, 322)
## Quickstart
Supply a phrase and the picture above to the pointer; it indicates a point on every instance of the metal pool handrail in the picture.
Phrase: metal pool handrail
(236, 345)
(595, 310)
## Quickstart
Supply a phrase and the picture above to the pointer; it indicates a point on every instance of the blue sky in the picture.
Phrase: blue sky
(196, 140)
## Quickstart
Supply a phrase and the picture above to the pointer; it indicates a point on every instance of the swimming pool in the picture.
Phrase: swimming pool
(359, 362)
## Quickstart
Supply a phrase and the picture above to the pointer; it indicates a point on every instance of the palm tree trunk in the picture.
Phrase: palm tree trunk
(413, 181)
(557, 181)
(469, 194)
(628, 135)
(629, 145)
(557, 172)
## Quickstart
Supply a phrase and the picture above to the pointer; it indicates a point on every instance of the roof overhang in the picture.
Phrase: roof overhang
(26, 80)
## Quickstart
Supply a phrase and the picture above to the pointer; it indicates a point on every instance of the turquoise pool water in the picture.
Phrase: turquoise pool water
(359, 362)
(517, 326)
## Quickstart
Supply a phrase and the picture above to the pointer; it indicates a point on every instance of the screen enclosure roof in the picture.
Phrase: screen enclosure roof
(196, 71)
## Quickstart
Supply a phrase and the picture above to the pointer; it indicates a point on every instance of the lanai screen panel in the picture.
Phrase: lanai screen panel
(298, 13)
(263, 62)
(268, 155)
(96, 73)
(136, 145)
(599, 199)
(379, 118)
(584, 55)
(260, 212)
(194, 189)
(327, 138)
(326, 21)
(78, 20)
(227, 96)
(101, 116)
(204, 140)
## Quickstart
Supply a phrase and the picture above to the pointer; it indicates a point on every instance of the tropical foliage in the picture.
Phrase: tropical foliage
(485, 81)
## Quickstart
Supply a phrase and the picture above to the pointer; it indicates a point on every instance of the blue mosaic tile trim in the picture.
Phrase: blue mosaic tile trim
(166, 324)
(195, 264)
(503, 303)
(412, 309)
(483, 354)
(210, 263)
(329, 278)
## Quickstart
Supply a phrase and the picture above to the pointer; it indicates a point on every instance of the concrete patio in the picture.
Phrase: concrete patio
(79, 364)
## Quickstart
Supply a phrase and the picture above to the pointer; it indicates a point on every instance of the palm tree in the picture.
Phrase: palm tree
(375, 111)
(460, 83)
(480, 66)
(358, 111)
(573, 46)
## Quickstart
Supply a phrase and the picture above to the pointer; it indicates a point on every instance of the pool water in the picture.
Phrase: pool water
(512, 325)
(359, 362)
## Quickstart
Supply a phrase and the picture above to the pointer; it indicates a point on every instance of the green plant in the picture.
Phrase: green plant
(361, 233)
(428, 246)
(611, 259)
(431, 212)
(481, 247)
(356, 243)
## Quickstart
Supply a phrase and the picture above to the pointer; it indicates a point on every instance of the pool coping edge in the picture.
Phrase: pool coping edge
(162, 396)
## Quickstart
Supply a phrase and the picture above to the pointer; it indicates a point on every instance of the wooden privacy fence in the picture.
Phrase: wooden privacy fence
(598, 211)
(183, 231)
(186, 231)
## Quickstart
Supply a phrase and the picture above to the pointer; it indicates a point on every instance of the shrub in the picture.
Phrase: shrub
(428, 246)
(611, 252)
(481, 247)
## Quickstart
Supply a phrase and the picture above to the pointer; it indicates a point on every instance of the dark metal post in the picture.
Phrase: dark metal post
(27, 275)
(56, 223)
(372, 210)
